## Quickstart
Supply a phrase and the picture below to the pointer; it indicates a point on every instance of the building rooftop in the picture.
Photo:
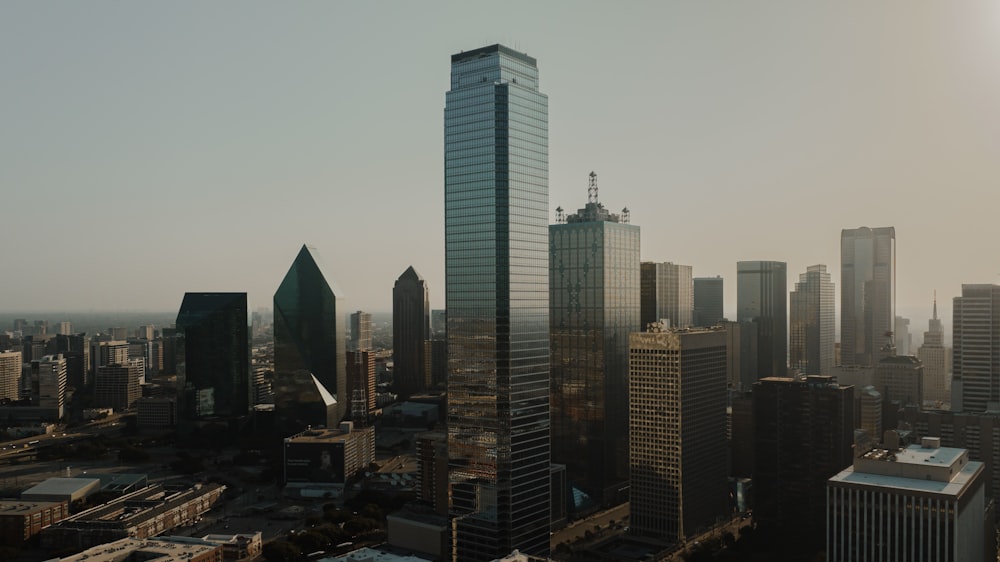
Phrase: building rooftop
(324, 435)
(61, 486)
(376, 555)
(148, 550)
(927, 467)
(20, 507)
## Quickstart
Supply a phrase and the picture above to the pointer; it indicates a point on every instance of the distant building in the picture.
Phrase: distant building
(432, 467)
(804, 432)
(117, 386)
(107, 352)
(900, 378)
(64, 328)
(868, 412)
(213, 358)
(411, 327)
(436, 362)
(21, 520)
(761, 304)
(902, 337)
(677, 432)
(813, 319)
(594, 303)
(932, 354)
(156, 412)
(361, 331)
(48, 384)
(924, 502)
(867, 292)
(667, 294)
(708, 301)
(361, 384)
(310, 362)
(10, 375)
(75, 349)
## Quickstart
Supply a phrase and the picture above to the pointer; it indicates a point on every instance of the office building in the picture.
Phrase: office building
(147, 332)
(497, 293)
(310, 362)
(708, 301)
(901, 336)
(411, 327)
(900, 378)
(117, 386)
(677, 432)
(976, 353)
(667, 294)
(213, 356)
(803, 435)
(922, 502)
(327, 458)
(761, 306)
(932, 354)
(594, 305)
(361, 385)
(867, 292)
(812, 322)
(435, 363)
(361, 331)
(10, 375)
(107, 352)
(48, 385)
(64, 328)
(75, 349)
(432, 467)
(868, 413)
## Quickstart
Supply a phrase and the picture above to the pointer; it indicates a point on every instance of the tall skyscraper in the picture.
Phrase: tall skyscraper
(901, 336)
(804, 432)
(411, 326)
(976, 354)
(867, 293)
(667, 294)
(761, 303)
(900, 378)
(812, 324)
(213, 357)
(497, 297)
(594, 304)
(708, 301)
(310, 365)
(932, 355)
(677, 431)
(361, 331)
(117, 386)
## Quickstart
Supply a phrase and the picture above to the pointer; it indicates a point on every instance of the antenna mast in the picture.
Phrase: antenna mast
(592, 189)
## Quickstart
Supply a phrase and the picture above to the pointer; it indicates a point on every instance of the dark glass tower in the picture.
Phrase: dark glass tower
(594, 303)
(708, 301)
(213, 356)
(804, 432)
(309, 341)
(411, 326)
(497, 296)
(762, 304)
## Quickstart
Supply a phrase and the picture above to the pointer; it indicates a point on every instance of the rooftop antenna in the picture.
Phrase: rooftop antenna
(592, 189)
(935, 304)
(560, 215)
(626, 215)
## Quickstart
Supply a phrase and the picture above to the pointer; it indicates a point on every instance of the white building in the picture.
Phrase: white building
(924, 502)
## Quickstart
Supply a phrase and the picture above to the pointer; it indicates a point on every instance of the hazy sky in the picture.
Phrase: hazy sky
(153, 148)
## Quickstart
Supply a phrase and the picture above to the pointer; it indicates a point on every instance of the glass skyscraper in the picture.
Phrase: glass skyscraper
(812, 322)
(762, 307)
(411, 327)
(310, 386)
(867, 289)
(594, 302)
(497, 296)
(213, 356)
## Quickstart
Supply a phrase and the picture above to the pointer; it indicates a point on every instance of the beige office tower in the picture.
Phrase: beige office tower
(933, 355)
(812, 322)
(867, 293)
(976, 337)
(10, 374)
(677, 431)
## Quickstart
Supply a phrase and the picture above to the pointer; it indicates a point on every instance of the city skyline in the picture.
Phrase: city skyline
(870, 128)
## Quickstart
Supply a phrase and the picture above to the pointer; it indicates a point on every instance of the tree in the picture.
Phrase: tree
(281, 551)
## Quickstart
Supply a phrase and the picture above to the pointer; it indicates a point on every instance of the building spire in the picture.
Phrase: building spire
(592, 189)
(935, 304)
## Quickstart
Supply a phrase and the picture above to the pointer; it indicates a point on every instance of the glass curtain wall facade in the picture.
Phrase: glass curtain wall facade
(708, 301)
(497, 296)
(667, 294)
(309, 356)
(867, 293)
(594, 304)
(811, 338)
(213, 356)
(762, 303)
(411, 326)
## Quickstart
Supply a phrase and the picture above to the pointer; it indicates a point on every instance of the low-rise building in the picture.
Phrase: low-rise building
(156, 412)
(21, 520)
(326, 459)
(237, 547)
(162, 549)
(66, 490)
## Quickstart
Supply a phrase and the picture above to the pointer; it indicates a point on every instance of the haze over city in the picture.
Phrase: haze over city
(153, 149)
